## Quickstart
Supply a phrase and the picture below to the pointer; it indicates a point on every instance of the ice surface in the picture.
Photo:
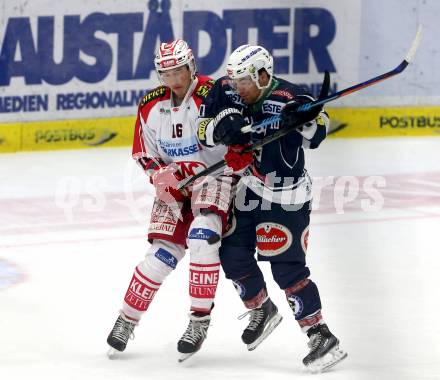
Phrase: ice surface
(73, 227)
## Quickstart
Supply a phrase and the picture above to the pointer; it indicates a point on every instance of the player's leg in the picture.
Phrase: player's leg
(166, 250)
(241, 267)
(160, 260)
(238, 262)
(210, 205)
(303, 297)
(203, 278)
(292, 275)
(204, 260)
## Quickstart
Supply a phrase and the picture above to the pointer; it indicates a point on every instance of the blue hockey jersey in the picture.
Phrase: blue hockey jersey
(284, 157)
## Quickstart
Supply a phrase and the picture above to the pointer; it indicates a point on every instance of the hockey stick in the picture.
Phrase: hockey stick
(320, 101)
(357, 87)
(258, 144)
(402, 66)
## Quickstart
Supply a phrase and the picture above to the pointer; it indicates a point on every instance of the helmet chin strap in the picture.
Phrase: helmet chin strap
(263, 88)
(177, 102)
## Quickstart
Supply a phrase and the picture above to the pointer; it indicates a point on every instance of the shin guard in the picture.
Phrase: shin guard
(304, 300)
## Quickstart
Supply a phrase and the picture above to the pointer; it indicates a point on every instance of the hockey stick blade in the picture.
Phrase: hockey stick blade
(412, 51)
(360, 86)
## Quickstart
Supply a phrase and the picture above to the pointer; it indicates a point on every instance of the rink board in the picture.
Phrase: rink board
(384, 122)
(71, 76)
(66, 134)
(113, 132)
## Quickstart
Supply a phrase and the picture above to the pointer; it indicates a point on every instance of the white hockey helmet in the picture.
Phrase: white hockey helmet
(174, 54)
(247, 60)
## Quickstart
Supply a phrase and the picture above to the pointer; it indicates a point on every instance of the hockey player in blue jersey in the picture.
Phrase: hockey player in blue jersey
(272, 209)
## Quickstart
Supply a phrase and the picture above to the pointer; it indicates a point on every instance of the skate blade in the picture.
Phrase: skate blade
(184, 357)
(111, 353)
(329, 360)
(274, 322)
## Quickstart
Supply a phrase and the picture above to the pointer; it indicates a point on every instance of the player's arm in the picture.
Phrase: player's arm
(144, 146)
(220, 121)
(164, 177)
(312, 125)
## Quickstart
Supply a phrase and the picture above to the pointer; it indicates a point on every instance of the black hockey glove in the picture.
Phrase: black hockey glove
(290, 115)
(227, 128)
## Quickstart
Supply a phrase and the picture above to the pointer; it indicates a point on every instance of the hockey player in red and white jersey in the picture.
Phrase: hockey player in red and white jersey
(167, 148)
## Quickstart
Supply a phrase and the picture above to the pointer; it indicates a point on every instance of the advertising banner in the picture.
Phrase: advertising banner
(81, 61)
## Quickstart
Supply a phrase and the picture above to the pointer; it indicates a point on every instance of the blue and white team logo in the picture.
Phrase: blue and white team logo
(296, 304)
(166, 257)
(201, 234)
(241, 290)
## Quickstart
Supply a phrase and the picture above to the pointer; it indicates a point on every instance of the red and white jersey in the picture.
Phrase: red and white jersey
(165, 133)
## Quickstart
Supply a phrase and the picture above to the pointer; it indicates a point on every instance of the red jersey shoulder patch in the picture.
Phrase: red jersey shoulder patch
(204, 86)
(283, 93)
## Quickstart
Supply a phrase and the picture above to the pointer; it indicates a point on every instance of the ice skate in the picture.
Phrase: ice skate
(118, 337)
(324, 350)
(262, 322)
(193, 337)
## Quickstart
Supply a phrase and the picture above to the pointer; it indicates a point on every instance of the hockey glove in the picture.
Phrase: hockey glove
(290, 115)
(165, 181)
(227, 128)
(237, 159)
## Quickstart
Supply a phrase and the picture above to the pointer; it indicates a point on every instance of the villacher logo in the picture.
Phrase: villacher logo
(273, 239)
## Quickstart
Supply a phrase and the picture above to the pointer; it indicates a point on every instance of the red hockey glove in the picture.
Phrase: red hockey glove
(165, 181)
(237, 159)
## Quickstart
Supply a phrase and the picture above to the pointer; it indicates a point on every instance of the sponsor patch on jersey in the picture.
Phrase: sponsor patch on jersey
(305, 239)
(184, 147)
(164, 111)
(273, 239)
(201, 234)
(166, 257)
(234, 97)
(320, 121)
(183, 151)
(190, 168)
(153, 94)
(295, 304)
(284, 93)
(203, 91)
(201, 132)
(10, 274)
(272, 107)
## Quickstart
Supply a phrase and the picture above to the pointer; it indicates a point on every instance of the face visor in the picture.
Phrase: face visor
(244, 83)
(172, 75)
